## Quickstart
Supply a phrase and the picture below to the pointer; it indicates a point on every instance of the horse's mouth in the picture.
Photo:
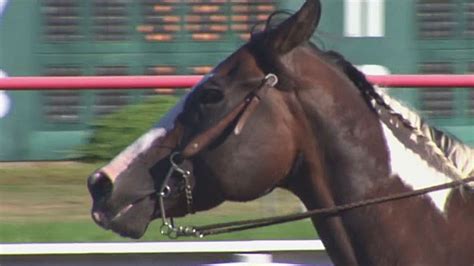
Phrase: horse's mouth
(130, 221)
(123, 212)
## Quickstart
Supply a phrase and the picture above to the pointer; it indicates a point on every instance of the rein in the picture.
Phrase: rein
(240, 115)
(221, 228)
(324, 212)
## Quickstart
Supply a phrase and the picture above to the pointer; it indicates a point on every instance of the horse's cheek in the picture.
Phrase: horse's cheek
(266, 162)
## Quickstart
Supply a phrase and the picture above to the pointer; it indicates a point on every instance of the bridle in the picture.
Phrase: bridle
(239, 115)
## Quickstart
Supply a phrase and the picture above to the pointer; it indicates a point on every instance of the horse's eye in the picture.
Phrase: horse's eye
(210, 96)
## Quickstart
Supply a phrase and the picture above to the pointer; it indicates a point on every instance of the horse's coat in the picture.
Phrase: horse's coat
(414, 171)
(324, 133)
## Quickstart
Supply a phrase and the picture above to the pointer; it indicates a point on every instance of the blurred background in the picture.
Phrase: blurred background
(51, 140)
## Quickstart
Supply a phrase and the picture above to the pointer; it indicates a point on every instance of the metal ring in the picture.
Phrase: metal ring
(166, 229)
(165, 191)
(271, 79)
(173, 158)
(174, 234)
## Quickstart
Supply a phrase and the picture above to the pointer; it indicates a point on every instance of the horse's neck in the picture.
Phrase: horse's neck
(345, 127)
(346, 156)
(311, 185)
(348, 161)
(349, 158)
(315, 193)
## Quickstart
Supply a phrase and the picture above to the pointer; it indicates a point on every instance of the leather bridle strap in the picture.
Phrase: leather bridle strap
(242, 112)
(221, 228)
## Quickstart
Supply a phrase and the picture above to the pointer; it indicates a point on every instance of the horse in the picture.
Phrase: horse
(280, 112)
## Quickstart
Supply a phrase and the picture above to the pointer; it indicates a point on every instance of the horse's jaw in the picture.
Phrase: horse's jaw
(130, 221)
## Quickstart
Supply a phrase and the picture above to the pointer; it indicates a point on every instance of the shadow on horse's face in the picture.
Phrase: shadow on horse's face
(232, 166)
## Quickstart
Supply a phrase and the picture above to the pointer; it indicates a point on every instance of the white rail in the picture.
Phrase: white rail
(161, 247)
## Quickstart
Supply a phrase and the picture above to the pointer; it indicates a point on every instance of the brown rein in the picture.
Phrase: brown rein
(221, 228)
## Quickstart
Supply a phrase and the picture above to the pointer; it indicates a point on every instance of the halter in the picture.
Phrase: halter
(240, 114)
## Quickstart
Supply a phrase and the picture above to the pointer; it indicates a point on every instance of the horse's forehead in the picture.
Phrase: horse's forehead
(243, 61)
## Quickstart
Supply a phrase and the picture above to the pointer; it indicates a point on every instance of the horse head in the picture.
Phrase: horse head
(126, 191)
(254, 123)
(279, 112)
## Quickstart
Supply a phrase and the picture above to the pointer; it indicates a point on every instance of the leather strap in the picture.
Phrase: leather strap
(242, 112)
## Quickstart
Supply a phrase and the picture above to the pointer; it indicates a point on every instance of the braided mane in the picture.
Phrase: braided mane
(457, 157)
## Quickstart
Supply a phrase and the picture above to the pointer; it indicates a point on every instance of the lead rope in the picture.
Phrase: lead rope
(202, 231)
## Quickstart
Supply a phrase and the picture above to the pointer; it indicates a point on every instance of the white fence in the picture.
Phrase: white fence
(162, 247)
(167, 253)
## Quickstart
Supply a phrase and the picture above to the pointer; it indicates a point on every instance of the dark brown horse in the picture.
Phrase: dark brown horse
(279, 112)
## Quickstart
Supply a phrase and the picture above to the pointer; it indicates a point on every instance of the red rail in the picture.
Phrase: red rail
(423, 81)
(141, 82)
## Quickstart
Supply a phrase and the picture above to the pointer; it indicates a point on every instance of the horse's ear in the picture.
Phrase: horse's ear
(296, 29)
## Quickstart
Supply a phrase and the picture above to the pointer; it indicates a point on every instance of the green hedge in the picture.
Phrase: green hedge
(113, 133)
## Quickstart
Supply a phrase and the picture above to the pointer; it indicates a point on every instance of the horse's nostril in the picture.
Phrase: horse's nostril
(100, 185)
